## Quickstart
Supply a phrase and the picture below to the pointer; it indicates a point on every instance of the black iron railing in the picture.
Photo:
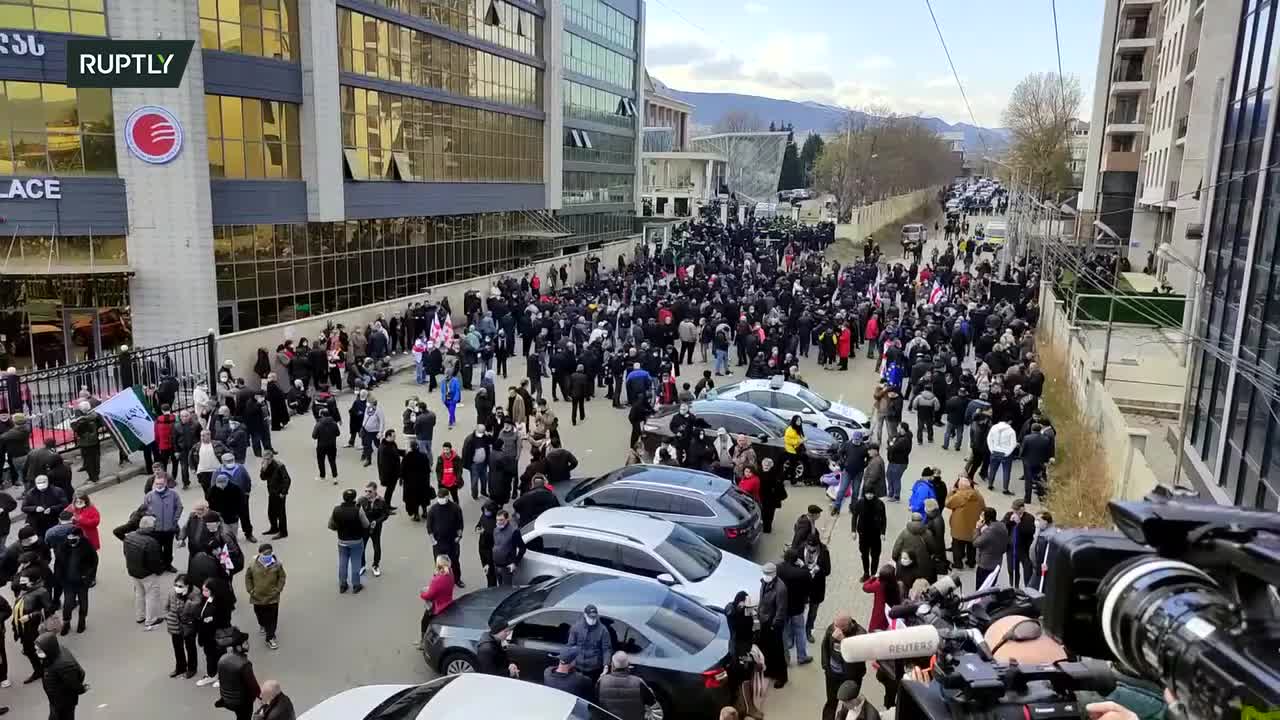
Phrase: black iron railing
(50, 397)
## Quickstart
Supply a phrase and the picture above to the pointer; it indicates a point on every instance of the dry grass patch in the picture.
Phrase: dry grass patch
(1080, 480)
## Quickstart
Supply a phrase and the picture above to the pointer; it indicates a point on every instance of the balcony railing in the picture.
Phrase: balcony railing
(1135, 30)
(1128, 74)
(1124, 117)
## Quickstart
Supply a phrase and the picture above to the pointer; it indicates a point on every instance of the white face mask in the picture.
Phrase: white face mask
(442, 500)
(591, 620)
(1041, 525)
(905, 560)
(42, 484)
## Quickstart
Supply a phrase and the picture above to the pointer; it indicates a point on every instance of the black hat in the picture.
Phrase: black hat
(848, 691)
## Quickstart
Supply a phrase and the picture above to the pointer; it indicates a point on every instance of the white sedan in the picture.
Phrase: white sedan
(787, 399)
(456, 697)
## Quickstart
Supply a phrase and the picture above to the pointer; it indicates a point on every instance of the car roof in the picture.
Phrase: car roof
(473, 695)
(670, 478)
(630, 599)
(640, 529)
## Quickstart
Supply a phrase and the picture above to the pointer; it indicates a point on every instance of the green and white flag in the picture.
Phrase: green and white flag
(128, 420)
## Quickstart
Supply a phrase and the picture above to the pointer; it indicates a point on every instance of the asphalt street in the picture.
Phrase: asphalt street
(331, 642)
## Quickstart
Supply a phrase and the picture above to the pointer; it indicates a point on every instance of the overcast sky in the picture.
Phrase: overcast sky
(858, 52)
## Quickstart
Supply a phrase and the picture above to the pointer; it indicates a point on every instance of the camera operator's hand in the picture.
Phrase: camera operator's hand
(1109, 711)
(924, 676)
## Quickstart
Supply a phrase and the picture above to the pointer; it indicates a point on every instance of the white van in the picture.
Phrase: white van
(912, 233)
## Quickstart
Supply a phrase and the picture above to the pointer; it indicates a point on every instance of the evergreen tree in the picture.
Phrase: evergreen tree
(809, 154)
(792, 175)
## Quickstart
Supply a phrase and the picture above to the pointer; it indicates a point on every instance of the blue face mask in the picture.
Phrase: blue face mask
(266, 559)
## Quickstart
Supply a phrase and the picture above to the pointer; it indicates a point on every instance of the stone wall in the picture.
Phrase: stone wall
(869, 219)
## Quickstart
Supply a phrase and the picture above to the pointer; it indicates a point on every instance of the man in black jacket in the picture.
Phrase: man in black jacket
(237, 684)
(1037, 451)
(491, 655)
(579, 389)
(63, 678)
(75, 570)
(955, 413)
(623, 693)
(444, 525)
(326, 434)
(773, 619)
(817, 560)
(834, 668)
(793, 574)
(275, 476)
(144, 559)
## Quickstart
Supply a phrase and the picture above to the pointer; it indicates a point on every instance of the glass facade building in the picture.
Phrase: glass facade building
(434, 160)
(1233, 428)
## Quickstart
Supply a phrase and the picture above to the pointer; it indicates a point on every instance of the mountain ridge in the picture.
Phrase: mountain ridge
(811, 116)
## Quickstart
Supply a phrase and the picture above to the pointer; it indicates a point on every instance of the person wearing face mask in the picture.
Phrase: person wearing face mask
(965, 503)
(1040, 550)
(234, 467)
(275, 476)
(264, 581)
(42, 505)
(206, 458)
(86, 517)
(181, 620)
(166, 506)
(62, 677)
(75, 570)
(476, 450)
(817, 560)
(869, 522)
(591, 643)
(225, 498)
(772, 615)
(144, 560)
(508, 548)
(351, 525)
(444, 525)
(213, 626)
(371, 426)
(28, 545)
(913, 549)
(32, 607)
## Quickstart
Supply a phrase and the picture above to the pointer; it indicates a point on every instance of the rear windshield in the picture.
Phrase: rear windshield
(735, 501)
(688, 625)
(408, 703)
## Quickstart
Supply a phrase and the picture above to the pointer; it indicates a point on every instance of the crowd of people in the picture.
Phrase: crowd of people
(954, 346)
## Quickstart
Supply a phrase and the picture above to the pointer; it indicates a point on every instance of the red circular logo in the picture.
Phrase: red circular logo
(153, 135)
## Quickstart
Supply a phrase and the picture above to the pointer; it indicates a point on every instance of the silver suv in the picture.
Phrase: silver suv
(569, 540)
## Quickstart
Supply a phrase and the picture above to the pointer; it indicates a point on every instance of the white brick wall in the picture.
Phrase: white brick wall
(170, 237)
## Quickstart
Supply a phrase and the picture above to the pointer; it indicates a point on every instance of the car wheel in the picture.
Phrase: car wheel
(838, 434)
(660, 710)
(798, 470)
(457, 662)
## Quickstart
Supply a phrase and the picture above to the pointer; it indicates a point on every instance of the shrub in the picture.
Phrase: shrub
(1081, 482)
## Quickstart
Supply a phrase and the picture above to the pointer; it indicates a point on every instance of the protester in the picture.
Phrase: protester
(590, 643)
(62, 677)
(275, 476)
(181, 620)
(835, 670)
(772, 614)
(264, 581)
(237, 684)
(622, 692)
(991, 543)
(75, 570)
(144, 561)
(438, 594)
(1022, 532)
(351, 525)
(375, 511)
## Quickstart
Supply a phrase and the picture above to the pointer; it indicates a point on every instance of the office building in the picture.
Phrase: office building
(677, 181)
(321, 156)
(1232, 433)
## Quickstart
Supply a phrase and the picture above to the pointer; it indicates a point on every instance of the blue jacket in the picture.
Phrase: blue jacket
(167, 507)
(592, 643)
(239, 475)
(451, 390)
(922, 490)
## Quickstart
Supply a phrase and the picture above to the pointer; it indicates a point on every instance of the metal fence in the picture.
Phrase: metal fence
(49, 397)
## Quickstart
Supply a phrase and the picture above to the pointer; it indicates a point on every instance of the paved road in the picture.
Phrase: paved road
(331, 642)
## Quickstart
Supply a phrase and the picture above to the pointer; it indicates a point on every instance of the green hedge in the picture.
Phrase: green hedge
(1152, 310)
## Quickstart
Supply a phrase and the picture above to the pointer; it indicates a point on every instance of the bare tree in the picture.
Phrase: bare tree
(879, 154)
(1038, 113)
(736, 121)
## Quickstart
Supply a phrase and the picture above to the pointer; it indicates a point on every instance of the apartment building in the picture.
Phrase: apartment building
(322, 155)
(1078, 147)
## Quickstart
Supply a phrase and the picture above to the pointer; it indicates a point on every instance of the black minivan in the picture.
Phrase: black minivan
(706, 504)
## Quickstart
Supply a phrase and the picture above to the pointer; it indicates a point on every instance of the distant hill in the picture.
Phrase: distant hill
(816, 117)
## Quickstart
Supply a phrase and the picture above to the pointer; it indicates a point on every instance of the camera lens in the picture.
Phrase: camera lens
(1156, 613)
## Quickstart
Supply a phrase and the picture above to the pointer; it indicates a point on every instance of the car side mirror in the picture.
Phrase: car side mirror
(666, 579)
(588, 502)
(763, 438)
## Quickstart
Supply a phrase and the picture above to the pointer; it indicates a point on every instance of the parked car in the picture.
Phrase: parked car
(473, 695)
(763, 427)
(569, 540)
(702, 503)
(787, 399)
(680, 648)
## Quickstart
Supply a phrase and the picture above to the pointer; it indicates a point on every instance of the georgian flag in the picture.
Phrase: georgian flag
(441, 332)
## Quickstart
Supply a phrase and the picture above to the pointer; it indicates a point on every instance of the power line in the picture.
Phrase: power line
(1057, 45)
(956, 75)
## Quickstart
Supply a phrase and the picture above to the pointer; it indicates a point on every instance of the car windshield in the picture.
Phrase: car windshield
(816, 401)
(688, 625)
(408, 703)
(694, 558)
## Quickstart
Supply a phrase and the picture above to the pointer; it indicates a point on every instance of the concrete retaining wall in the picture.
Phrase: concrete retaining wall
(242, 347)
(1124, 446)
(869, 219)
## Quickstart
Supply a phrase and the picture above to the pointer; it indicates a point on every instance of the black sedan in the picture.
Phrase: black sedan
(742, 418)
(703, 503)
(679, 647)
